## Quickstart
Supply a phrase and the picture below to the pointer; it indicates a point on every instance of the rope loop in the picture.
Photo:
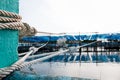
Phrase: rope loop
(9, 20)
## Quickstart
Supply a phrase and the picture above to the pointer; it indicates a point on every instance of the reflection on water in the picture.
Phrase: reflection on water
(62, 69)
(69, 71)
(17, 75)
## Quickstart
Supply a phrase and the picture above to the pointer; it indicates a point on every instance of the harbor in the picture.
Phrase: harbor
(28, 53)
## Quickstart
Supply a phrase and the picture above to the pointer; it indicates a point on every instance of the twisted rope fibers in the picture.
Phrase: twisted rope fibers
(12, 21)
(9, 20)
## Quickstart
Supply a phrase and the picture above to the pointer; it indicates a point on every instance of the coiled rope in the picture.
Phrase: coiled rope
(9, 20)
(12, 21)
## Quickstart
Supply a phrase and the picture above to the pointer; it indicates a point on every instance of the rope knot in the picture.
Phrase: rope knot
(34, 49)
(9, 20)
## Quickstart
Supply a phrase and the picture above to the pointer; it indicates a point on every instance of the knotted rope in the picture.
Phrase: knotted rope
(9, 20)
(12, 21)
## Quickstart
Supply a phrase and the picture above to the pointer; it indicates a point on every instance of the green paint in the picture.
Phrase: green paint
(10, 5)
(8, 38)
(8, 47)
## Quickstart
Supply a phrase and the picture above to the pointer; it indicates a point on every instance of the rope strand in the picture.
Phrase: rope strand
(12, 21)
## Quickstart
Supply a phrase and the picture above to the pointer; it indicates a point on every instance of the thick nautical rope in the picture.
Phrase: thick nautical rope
(20, 64)
(6, 71)
(9, 20)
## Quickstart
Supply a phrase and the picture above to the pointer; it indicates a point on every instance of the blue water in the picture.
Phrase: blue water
(17, 75)
(49, 71)
(60, 68)
(113, 57)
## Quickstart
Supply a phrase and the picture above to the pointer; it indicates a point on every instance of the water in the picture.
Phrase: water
(68, 71)
(69, 67)
(23, 76)
(90, 57)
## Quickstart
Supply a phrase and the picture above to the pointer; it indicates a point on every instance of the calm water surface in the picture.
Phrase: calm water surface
(68, 71)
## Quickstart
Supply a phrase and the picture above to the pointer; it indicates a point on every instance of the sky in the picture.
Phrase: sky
(72, 15)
